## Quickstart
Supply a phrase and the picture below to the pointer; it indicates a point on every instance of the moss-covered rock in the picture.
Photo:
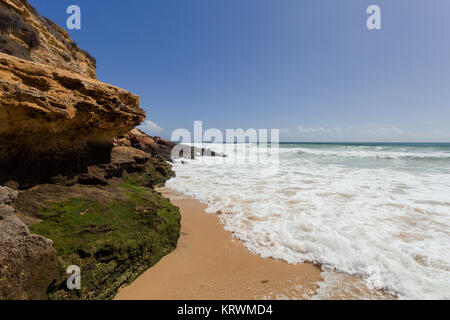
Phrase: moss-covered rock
(113, 242)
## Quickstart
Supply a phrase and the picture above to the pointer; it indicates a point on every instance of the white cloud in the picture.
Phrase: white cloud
(366, 132)
(381, 131)
(318, 131)
(151, 128)
(285, 131)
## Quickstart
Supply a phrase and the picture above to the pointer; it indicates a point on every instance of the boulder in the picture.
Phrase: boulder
(7, 195)
(28, 263)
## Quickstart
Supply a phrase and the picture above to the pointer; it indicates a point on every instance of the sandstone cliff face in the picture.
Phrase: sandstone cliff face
(84, 184)
(51, 105)
(25, 34)
(48, 111)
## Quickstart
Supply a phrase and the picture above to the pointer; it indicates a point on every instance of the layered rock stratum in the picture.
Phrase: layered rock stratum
(24, 33)
(49, 111)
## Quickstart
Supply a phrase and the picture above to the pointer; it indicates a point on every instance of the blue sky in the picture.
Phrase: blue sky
(310, 68)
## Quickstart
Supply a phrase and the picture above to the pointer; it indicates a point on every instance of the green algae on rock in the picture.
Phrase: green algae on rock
(112, 243)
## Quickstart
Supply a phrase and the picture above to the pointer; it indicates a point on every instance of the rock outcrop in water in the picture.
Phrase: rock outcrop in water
(154, 145)
(80, 185)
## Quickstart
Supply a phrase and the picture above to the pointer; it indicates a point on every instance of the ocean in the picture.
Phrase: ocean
(377, 211)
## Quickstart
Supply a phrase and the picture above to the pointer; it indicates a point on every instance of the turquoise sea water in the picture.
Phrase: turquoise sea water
(435, 156)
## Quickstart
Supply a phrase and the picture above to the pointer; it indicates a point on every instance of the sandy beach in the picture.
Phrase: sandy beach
(210, 264)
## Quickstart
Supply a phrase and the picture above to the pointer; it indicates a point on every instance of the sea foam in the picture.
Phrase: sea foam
(379, 212)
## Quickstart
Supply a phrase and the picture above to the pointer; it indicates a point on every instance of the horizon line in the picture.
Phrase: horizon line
(323, 142)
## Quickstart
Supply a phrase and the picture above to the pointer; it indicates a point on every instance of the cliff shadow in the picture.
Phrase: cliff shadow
(26, 170)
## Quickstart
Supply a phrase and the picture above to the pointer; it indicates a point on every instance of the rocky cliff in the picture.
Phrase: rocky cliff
(25, 34)
(79, 180)
(50, 111)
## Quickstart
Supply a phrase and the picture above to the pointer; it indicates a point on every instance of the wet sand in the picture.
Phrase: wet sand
(210, 264)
